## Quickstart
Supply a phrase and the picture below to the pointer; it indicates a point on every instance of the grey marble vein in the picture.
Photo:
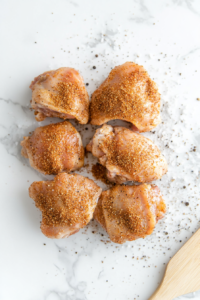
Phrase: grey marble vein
(188, 4)
(106, 37)
(145, 15)
(25, 108)
(74, 3)
(191, 52)
(76, 290)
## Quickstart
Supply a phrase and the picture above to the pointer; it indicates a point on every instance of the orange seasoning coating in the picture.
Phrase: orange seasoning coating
(54, 148)
(59, 204)
(60, 93)
(128, 156)
(130, 212)
(67, 203)
(99, 172)
(132, 155)
(65, 94)
(127, 94)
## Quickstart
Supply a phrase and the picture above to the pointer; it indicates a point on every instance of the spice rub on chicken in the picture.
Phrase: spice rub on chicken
(128, 156)
(127, 94)
(54, 148)
(60, 93)
(130, 212)
(67, 203)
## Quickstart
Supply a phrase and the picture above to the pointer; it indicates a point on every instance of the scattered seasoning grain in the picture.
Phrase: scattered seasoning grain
(99, 172)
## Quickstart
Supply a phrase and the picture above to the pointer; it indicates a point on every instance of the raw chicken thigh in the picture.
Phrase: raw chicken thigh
(67, 203)
(60, 93)
(128, 156)
(54, 148)
(127, 94)
(130, 212)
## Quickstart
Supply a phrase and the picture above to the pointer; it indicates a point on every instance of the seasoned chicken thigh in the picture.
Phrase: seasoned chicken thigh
(67, 203)
(128, 156)
(60, 93)
(130, 212)
(127, 94)
(54, 148)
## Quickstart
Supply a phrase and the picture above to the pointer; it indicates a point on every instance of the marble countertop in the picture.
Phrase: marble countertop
(36, 36)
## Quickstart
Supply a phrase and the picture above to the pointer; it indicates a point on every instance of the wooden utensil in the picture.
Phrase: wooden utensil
(182, 275)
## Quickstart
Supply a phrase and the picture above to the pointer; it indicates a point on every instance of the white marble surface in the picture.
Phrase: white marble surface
(40, 35)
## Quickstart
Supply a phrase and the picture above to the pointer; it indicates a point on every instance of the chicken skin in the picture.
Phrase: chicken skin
(60, 93)
(67, 203)
(127, 94)
(54, 148)
(128, 156)
(130, 212)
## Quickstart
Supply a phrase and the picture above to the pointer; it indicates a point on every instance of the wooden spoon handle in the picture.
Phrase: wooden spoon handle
(159, 295)
(182, 275)
(166, 291)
